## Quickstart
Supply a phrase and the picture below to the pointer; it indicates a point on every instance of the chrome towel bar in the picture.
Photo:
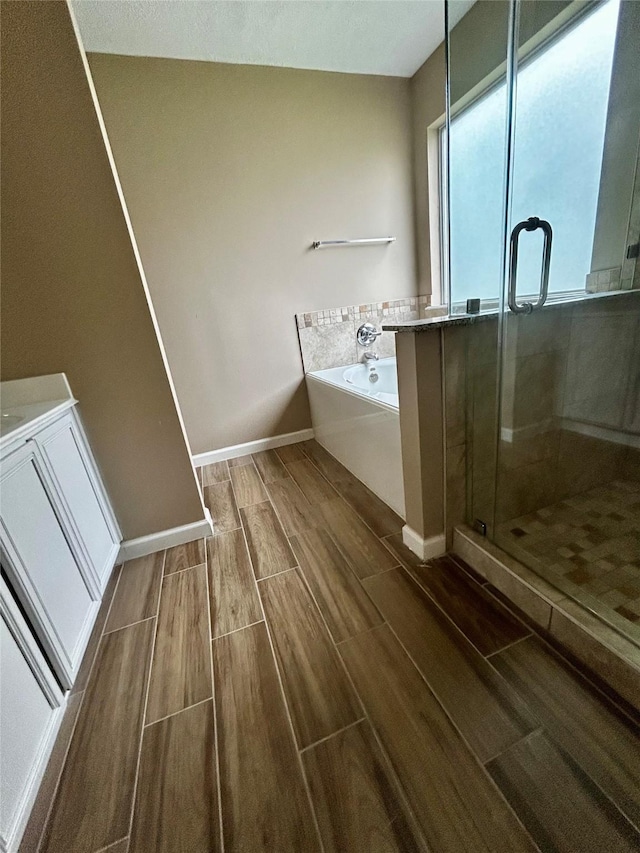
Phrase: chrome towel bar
(368, 241)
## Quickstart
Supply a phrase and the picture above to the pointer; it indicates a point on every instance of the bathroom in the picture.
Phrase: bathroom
(339, 304)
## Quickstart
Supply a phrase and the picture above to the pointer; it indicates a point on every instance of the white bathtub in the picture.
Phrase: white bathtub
(357, 421)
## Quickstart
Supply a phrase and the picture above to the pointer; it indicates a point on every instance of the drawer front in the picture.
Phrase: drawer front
(68, 461)
(30, 711)
(41, 564)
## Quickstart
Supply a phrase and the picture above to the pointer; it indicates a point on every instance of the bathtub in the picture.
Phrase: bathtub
(358, 422)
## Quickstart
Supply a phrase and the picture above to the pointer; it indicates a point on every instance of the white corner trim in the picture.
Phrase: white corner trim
(143, 545)
(434, 546)
(235, 450)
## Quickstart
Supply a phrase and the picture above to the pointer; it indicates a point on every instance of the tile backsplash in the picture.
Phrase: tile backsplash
(328, 337)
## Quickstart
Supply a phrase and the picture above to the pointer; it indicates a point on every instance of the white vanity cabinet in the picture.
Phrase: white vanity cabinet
(77, 482)
(31, 708)
(58, 537)
(40, 561)
(59, 541)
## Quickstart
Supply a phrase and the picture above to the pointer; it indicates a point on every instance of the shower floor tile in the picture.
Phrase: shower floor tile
(587, 544)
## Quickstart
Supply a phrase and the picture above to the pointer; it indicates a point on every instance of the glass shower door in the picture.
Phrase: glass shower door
(567, 465)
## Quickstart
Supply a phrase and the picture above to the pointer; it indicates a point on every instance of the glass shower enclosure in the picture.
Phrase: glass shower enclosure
(541, 157)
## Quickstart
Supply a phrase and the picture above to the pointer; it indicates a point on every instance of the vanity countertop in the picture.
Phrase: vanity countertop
(25, 403)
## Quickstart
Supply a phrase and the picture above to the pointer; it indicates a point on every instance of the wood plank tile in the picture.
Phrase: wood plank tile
(268, 546)
(181, 670)
(82, 677)
(247, 486)
(136, 596)
(119, 847)
(363, 550)
(328, 465)
(184, 556)
(455, 803)
(311, 482)
(408, 559)
(291, 453)
(294, 510)
(558, 803)
(482, 619)
(380, 517)
(487, 711)
(222, 505)
(95, 796)
(319, 695)
(215, 472)
(355, 796)
(177, 795)
(347, 609)
(240, 460)
(601, 739)
(233, 598)
(269, 465)
(47, 788)
(264, 805)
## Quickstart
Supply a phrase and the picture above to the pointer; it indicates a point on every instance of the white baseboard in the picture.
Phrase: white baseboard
(235, 450)
(144, 545)
(434, 546)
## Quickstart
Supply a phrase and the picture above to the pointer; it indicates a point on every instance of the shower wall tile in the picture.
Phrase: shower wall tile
(456, 493)
(601, 281)
(328, 337)
(455, 384)
(396, 308)
(328, 346)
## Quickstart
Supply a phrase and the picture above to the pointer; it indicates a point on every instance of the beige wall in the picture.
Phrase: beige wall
(229, 173)
(72, 297)
(428, 105)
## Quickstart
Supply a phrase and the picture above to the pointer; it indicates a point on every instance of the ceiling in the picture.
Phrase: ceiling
(388, 37)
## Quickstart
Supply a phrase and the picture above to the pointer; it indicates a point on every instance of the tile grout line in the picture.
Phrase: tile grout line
(538, 730)
(187, 569)
(320, 474)
(175, 713)
(213, 693)
(508, 646)
(324, 739)
(449, 619)
(112, 845)
(579, 672)
(398, 787)
(362, 633)
(73, 730)
(305, 781)
(342, 497)
(465, 743)
(275, 574)
(235, 630)
(146, 700)
(244, 506)
(131, 624)
(610, 700)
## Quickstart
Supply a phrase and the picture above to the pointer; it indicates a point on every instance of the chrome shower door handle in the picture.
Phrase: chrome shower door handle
(531, 224)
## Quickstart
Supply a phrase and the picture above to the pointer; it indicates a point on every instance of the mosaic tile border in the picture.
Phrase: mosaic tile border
(387, 308)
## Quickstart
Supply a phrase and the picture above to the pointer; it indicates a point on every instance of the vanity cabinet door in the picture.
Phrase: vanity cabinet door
(41, 563)
(68, 460)
(30, 712)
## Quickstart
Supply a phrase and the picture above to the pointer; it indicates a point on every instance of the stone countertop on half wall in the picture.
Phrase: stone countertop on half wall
(462, 319)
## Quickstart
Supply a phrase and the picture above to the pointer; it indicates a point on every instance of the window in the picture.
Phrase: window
(560, 115)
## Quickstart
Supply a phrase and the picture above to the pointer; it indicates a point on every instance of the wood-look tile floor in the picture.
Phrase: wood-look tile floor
(301, 682)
